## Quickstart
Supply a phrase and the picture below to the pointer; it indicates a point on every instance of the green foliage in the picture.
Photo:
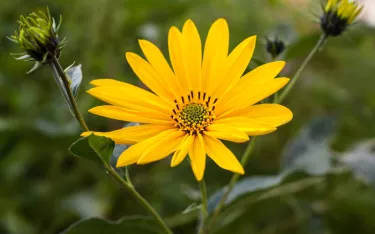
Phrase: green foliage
(95, 148)
(44, 189)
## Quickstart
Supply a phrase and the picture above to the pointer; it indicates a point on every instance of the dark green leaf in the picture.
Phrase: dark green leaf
(75, 74)
(131, 225)
(103, 146)
(95, 148)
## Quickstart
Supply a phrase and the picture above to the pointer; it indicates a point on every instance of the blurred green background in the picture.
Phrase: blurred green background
(44, 189)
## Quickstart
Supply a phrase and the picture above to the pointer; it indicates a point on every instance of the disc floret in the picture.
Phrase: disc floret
(194, 115)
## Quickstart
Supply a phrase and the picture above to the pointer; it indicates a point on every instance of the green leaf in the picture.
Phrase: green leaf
(95, 148)
(103, 146)
(138, 225)
(309, 151)
(75, 74)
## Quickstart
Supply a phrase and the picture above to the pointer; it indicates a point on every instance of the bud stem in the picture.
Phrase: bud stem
(294, 79)
(55, 62)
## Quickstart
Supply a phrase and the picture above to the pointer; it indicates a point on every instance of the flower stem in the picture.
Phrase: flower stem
(204, 213)
(202, 186)
(294, 79)
(65, 80)
(128, 186)
(245, 157)
(139, 197)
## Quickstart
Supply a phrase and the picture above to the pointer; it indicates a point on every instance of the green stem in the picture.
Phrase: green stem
(202, 186)
(65, 79)
(245, 158)
(128, 186)
(294, 79)
(139, 197)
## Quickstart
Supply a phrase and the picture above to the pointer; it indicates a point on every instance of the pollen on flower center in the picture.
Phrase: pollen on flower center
(195, 113)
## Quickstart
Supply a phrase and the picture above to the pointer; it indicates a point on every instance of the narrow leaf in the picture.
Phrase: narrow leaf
(75, 74)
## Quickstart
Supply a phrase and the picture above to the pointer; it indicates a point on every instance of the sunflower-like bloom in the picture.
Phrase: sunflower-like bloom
(203, 100)
(338, 15)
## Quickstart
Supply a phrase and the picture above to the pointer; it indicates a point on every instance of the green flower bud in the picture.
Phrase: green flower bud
(37, 36)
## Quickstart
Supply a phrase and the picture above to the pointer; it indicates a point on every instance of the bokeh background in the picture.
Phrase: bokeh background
(315, 175)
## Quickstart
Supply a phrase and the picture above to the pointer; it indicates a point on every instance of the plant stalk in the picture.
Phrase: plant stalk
(296, 76)
(55, 62)
(138, 196)
(204, 213)
(245, 157)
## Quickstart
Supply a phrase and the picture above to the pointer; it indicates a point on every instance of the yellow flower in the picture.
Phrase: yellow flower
(338, 15)
(194, 105)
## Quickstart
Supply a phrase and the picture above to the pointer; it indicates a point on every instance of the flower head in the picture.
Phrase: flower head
(203, 100)
(38, 38)
(338, 15)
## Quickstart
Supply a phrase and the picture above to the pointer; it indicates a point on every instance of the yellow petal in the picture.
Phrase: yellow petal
(272, 114)
(148, 76)
(163, 147)
(250, 97)
(221, 155)
(215, 52)
(128, 96)
(256, 78)
(192, 51)
(134, 152)
(226, 132)
(236, 64)
(118, 113)
(106, 82)
(133, 134)
(159, 63)
(176, 56)
(198, 157)
(182, 151)
(250, 126)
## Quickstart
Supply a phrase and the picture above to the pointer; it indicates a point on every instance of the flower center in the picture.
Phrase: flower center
(195, 113)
